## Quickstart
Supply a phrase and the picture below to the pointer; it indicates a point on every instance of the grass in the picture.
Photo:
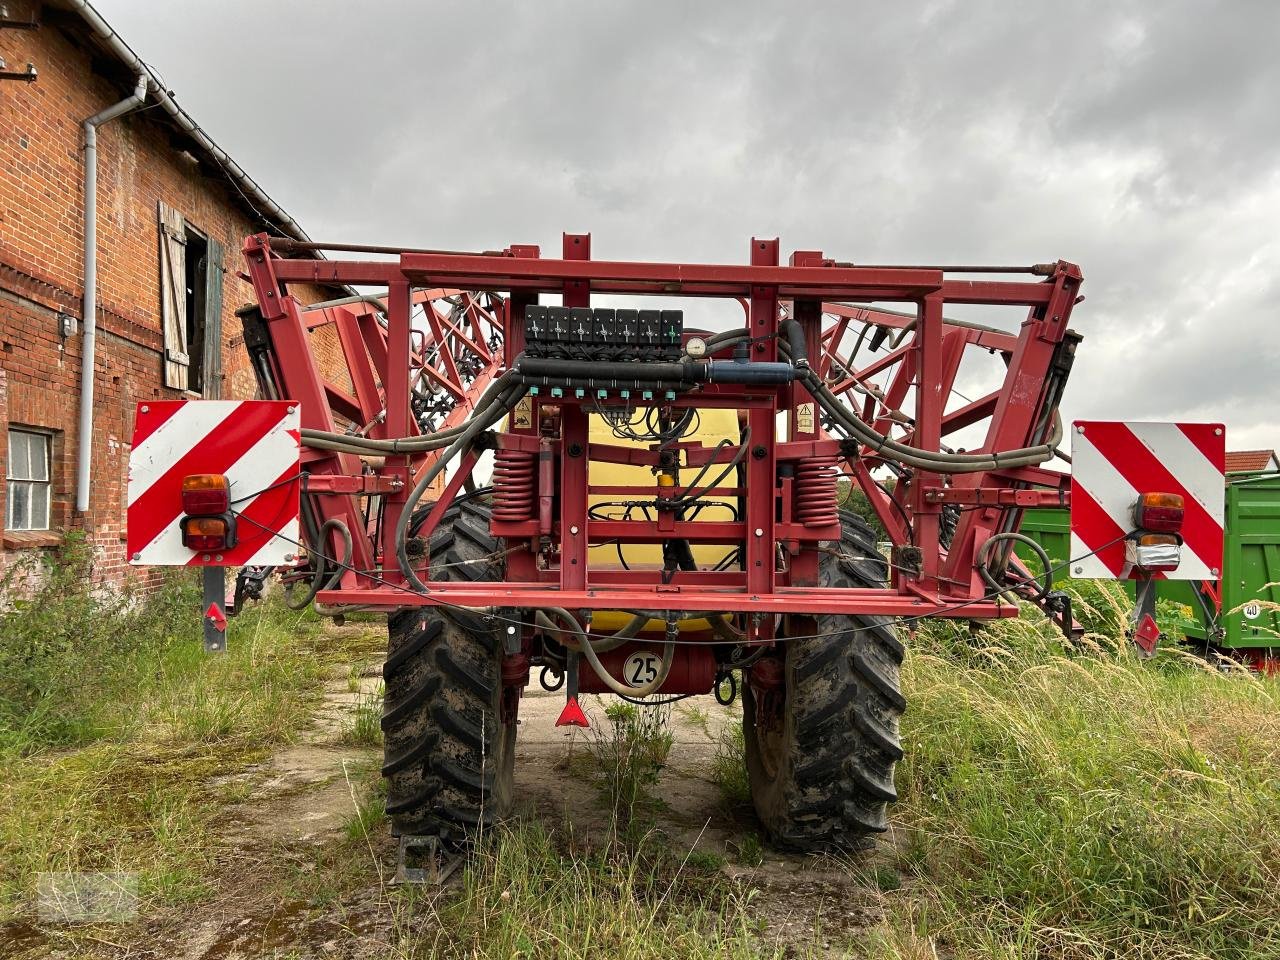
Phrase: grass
(750, 849)
(1057, 801)
(116, 727)
(729, 767)
(528, 892)
(365, 726)
(1083, 806)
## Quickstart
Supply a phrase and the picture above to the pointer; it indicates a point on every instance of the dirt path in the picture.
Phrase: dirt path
(281, 892)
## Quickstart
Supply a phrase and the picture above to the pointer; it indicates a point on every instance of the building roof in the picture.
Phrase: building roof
(113, 50)
(1251, 461)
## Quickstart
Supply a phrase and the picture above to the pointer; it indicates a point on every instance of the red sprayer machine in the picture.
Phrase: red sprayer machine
(555, 467)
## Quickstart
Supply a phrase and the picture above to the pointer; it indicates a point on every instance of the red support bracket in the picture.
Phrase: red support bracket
(364, 484)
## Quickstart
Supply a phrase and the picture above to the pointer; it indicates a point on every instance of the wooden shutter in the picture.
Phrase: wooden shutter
(173, 294)
(212, 374)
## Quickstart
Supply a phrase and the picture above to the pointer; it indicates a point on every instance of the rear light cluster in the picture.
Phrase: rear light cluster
(1156, 545)
(208, 525)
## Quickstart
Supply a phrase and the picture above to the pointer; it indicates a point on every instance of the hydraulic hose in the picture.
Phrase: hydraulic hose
(928, 460)
(346, 443)
(613, 640)
(1044, 585)
(479, 422)
(321, 579)
(538, 371)
(793, 346)
(622, 689)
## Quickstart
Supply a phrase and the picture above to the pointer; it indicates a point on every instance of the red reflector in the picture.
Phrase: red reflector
(572, 715)
(1158, 512)
(208, 533)
(1147, 634)
(204, 494)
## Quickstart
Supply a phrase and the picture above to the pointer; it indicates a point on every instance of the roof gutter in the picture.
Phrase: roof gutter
(89, 309)
(267, 208)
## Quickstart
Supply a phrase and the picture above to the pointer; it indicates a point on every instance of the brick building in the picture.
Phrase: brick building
(172, 213)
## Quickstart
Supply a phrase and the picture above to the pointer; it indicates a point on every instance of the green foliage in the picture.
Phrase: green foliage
(365, 726)
(750, 849)
(64, 646)
(114, 722)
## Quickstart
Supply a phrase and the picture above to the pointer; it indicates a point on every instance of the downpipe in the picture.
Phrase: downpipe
(89, 306)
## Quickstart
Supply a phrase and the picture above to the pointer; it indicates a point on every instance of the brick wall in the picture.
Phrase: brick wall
(140, 162)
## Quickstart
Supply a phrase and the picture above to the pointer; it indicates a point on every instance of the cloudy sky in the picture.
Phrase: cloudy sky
(1136, 139)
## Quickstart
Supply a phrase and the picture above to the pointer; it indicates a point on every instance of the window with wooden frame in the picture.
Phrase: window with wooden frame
(190, 305)
(28, 484)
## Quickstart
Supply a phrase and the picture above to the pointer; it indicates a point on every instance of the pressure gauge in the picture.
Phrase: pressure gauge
(696, 348)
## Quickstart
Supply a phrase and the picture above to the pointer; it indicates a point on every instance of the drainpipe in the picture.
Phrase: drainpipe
(89, 313)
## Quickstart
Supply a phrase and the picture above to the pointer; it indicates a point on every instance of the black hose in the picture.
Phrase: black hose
(795, 340)
(479, 422)
(319, 579)
(1045, 584)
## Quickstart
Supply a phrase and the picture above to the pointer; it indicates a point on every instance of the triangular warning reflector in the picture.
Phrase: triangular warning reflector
(1147, 635)
(215, 616)
(572, 715)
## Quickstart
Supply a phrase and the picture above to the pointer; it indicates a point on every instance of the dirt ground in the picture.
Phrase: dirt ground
(300, 802)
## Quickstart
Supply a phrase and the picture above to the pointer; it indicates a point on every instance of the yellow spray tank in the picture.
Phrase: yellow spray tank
(709, 428)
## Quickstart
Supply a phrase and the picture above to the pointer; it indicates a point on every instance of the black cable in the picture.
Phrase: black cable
(300, 475)
(906, 519)
(670, 700)
(982, 564)
(688, 496)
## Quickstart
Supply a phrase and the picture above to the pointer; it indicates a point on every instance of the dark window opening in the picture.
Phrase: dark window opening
(197, 263)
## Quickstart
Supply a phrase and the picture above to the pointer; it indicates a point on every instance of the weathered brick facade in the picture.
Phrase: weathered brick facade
(142, 160)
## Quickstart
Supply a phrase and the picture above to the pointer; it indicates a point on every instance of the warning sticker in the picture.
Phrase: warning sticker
(804, 418)
(522, 416)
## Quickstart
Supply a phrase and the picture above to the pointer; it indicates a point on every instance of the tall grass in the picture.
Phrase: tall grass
(1091, 805)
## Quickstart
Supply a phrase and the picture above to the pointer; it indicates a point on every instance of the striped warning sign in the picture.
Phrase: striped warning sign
(255, 444)
(1114, 463)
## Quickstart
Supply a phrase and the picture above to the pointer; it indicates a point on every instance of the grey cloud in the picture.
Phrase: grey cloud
(1137, 139)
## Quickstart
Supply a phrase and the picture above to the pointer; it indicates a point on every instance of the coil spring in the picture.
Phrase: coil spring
(816, 493)
(513, 485)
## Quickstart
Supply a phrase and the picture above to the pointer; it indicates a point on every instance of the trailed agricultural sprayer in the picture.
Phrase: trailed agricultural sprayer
(615, 499)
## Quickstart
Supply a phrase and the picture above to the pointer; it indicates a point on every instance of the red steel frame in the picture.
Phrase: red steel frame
(384, 356)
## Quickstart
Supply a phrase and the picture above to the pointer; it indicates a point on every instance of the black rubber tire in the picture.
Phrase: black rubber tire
(823, 780)
(448, 758)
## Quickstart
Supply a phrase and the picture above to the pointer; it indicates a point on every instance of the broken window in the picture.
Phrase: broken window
(190, 305)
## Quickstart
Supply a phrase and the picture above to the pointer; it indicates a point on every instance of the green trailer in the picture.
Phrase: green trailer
(1247, 618)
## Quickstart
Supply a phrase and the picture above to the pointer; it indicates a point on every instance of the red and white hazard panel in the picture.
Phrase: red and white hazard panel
(214, 483)
(1147, 500)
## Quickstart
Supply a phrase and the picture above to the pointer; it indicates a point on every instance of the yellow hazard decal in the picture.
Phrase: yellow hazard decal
(804, 418)
(523, 416)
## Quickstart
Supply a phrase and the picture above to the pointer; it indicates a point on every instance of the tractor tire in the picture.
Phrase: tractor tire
(821, 771)
(448, 756)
